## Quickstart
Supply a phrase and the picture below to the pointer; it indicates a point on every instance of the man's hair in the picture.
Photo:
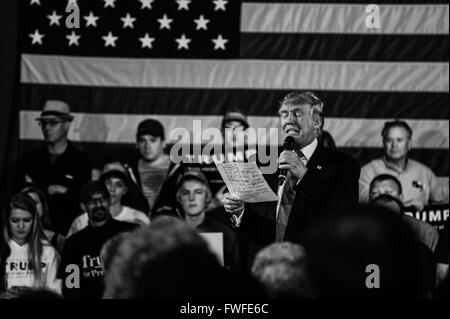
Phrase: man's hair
(396, 123)
(109, 249)
(386, 177)
(342, 245)
(299, 98)
(168, 259)
(281, 269)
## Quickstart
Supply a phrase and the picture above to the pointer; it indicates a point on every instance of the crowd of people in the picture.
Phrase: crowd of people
(135, 228)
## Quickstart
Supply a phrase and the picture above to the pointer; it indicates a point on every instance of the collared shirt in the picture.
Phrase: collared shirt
(418, 181)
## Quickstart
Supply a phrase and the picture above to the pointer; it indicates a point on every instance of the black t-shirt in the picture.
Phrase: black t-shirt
(230, 243)
(83, 249)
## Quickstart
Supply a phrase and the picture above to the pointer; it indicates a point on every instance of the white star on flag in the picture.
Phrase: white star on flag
(201, 23)
(110, 40)
(146, 4)
(128, 21)
(54, 18)
(146, 41)
(36, 37)
(91, 19)
(220, 5)
(183, 42)
(73, 38)
(219, 43)
(38, 2)
(109, 3)
(165, 22)
(183, 4)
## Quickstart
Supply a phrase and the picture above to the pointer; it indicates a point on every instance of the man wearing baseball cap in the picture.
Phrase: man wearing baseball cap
(151, 167)
(83, 248)
(117, 183)
(57, 167)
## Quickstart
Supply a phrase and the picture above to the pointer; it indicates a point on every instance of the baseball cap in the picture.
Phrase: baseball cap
(53, 108)
(191, 174)
(151, 127)
(91, 188)
(235, 116)
(115, 173)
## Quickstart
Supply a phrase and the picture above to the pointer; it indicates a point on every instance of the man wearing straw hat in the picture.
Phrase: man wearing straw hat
(57, 167)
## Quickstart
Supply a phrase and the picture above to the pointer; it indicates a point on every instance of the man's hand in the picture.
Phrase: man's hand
(57, 189)
(232, 204)
(290, 161)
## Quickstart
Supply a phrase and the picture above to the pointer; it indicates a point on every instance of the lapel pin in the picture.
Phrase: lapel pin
(319, 167)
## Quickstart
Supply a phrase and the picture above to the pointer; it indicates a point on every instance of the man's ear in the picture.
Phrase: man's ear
(208, 195)
(67, 126)
(83, 207)
(126, 191)
(409, 144)
(317, 121)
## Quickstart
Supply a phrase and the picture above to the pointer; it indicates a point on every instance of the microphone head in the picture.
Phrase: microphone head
(289, 143)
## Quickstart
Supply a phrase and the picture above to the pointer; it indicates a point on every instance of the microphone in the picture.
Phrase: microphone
(288, 145)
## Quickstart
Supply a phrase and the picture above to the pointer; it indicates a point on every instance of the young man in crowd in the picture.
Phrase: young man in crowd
(194, 194)
(57, 167)
(151, 168)
(83, 248)
(420, 185)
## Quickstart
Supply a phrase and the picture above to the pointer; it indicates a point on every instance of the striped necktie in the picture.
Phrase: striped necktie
(286, 201)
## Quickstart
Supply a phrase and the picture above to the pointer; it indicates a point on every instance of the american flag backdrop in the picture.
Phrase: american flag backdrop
(182, 60)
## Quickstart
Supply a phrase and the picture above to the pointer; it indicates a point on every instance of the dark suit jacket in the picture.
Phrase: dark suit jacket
(330, 185)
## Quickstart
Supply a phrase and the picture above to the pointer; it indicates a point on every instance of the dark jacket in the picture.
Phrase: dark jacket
(330, 185)
(71, 169)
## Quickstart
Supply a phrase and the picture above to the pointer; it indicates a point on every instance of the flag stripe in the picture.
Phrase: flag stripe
(343, 18)
(250, 74)
(215, 102)
(347, 47)
(124, 151)
(365, 2)
(88, 127)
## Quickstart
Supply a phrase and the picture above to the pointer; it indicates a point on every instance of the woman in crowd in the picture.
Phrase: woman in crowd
(29, 260)
(56, 239)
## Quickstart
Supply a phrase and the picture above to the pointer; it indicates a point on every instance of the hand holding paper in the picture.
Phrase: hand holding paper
(246, 181)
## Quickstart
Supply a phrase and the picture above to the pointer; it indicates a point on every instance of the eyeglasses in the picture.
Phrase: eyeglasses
(93, 201)
(43, 123)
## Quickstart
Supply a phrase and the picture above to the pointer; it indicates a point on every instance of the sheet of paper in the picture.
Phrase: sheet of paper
(246, 181)
(215, 242)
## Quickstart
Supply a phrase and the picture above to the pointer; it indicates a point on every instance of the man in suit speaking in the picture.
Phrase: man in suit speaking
(317, 181)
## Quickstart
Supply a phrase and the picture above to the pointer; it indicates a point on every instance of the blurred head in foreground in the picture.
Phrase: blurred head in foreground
(281, 270)
(166, 260)
(344, 250)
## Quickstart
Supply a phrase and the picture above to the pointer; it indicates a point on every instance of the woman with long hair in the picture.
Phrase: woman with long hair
(30, 260)
(56, 239)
